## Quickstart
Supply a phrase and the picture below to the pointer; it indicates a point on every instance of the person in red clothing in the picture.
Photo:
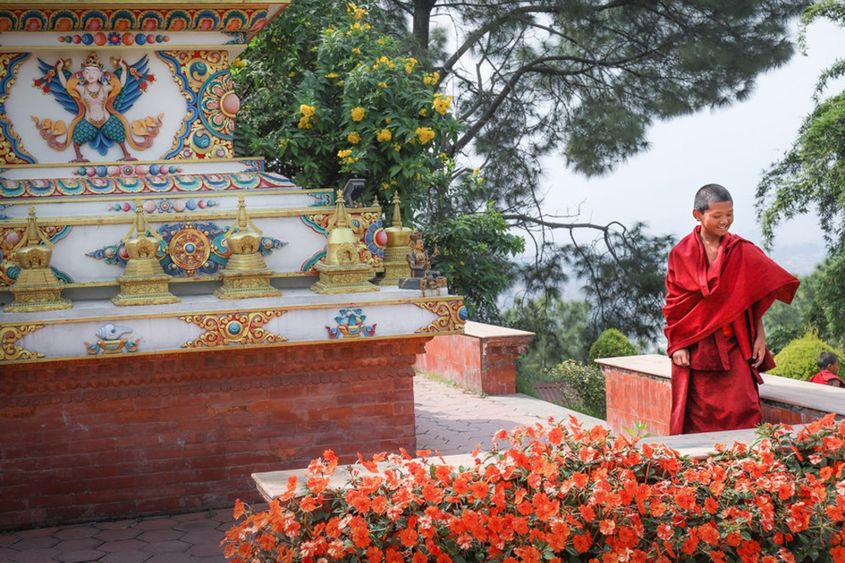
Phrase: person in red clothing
(719, 285)
(829, 374)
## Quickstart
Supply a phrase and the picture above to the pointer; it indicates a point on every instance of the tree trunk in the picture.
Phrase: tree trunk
(422, 25)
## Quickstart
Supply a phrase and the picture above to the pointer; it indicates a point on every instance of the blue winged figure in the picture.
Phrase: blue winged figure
(98, 99)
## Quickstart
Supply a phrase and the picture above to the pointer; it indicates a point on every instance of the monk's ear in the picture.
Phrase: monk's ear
(697, 214)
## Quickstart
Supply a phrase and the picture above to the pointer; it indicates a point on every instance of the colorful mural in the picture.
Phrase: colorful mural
(350, 324)
(208, 127)
(144, 184)
(123, 19)
(98, 99)
(233, 328)
(11, 149)
(112, 339)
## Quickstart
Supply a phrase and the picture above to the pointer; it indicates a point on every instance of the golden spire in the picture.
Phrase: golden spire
(397, 213)
(341, 217)
(33, 233)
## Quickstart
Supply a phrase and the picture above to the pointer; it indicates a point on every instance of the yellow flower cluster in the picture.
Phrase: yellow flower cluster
(358, 113)
(384, 61)
(354, 138)
(356, 11)
(425, 134)
(441, 103)
(382, 84)
(410, 63)
(239, 63)
(384, 136)
(431, 79)
(307, 113)
(332, 75)
(345, 156)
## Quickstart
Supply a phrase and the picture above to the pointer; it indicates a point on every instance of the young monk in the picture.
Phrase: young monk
(829, 375)
(719, 285)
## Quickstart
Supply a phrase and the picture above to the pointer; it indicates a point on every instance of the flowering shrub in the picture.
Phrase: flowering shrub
(561, 492)
(363, 108)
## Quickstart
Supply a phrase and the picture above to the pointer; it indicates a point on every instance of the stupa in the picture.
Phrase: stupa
(108, 106)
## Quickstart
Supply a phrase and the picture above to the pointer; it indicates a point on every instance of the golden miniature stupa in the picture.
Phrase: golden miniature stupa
(398, 240)
(246, 274)
(143, 281)
(342, 271)
(36, 288)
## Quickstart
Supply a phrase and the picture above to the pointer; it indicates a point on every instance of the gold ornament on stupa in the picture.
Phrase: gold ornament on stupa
(398, 240)
(143, 281)
(246, 274)
(342, 270)
(36, 288)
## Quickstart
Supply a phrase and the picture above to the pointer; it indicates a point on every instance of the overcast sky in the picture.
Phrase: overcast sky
(730, 146)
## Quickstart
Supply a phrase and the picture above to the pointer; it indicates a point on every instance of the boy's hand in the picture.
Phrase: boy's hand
(681, 357)
(758, 351)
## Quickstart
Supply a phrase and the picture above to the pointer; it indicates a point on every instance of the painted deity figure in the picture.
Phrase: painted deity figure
(99, 99)
(417, 258)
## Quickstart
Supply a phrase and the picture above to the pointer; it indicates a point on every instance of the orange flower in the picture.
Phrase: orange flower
(238, 511)
(308, 503)
(708, 534)
(556, 435)
(582, 542)
(543, 507)
(665, 532)
(749, 550)
(266, 541)
(606, 527)
(689, 545)
(408, 537)
(479, 490)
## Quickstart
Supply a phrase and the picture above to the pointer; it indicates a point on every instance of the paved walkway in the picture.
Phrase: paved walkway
(453, 421)
(448, 420)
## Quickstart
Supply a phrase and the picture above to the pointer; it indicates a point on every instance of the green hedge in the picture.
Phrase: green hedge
(610, 344)
(797, 360)
(584, 388)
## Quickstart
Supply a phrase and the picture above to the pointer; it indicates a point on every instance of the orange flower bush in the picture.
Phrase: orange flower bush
(560, 493)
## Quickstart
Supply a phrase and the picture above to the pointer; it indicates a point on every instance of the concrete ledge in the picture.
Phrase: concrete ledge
(273, 483)
(638, 390)
(776, 388)
(481, 360)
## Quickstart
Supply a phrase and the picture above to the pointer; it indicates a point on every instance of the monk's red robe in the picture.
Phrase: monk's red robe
(825, 377)
(713, 310)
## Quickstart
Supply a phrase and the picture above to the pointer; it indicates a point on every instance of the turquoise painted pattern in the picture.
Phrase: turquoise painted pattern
(147, 184)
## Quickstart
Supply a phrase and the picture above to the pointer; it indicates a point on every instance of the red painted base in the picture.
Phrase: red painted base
(114, 438)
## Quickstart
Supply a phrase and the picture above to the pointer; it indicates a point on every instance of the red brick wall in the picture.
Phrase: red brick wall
(634, 397)
(456, 357)
(779, 413)
(483, 360)
(107, 437)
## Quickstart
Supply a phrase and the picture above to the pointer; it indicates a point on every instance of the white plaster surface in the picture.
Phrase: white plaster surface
(165, 331)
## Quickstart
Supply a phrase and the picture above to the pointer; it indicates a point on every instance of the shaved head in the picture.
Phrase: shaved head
(711, 193)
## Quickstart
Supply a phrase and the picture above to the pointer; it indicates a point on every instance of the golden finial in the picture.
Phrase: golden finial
(397, 213)
(376, 201)
(244, 223)
(33, 234)
(341, 218)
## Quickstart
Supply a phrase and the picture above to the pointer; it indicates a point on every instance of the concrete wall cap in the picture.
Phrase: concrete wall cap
(784, 390)
(483, 330)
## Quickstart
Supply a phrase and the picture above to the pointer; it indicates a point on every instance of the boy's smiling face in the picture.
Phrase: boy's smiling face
(717, 219)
